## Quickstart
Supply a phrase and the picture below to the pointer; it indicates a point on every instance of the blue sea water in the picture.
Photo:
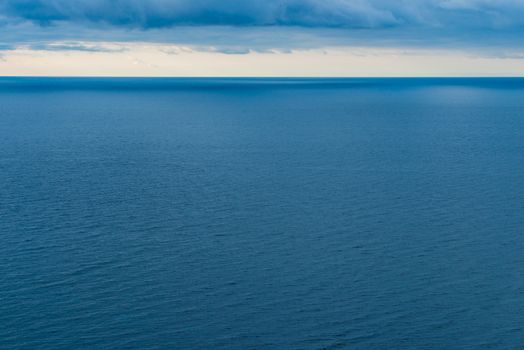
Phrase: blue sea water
(261, 213)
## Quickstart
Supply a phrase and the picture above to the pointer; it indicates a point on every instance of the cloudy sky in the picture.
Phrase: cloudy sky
(262, 37)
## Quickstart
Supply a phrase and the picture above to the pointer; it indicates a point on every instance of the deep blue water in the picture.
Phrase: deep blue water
(261, 214)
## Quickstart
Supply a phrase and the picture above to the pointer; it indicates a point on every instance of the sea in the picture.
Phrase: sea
(261, 213)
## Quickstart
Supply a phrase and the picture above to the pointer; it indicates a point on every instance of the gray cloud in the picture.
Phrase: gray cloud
(238, 26)
(166, 13)
(73, 46)
(308, 13)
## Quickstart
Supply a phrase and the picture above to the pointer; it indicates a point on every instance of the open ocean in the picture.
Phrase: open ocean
(261, 213)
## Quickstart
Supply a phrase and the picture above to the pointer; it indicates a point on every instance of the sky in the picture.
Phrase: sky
(339, 38)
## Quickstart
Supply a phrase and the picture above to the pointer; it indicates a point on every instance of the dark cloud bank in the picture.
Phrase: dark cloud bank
(229, 22)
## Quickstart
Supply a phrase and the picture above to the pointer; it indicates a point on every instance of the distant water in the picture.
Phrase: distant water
(261, 214)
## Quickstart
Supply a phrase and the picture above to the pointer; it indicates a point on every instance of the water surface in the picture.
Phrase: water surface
(261, 213)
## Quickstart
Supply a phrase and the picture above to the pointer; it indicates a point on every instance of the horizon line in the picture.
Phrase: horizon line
(255, 77)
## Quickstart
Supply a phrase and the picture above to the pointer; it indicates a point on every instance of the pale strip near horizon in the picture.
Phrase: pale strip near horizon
(157, 60)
